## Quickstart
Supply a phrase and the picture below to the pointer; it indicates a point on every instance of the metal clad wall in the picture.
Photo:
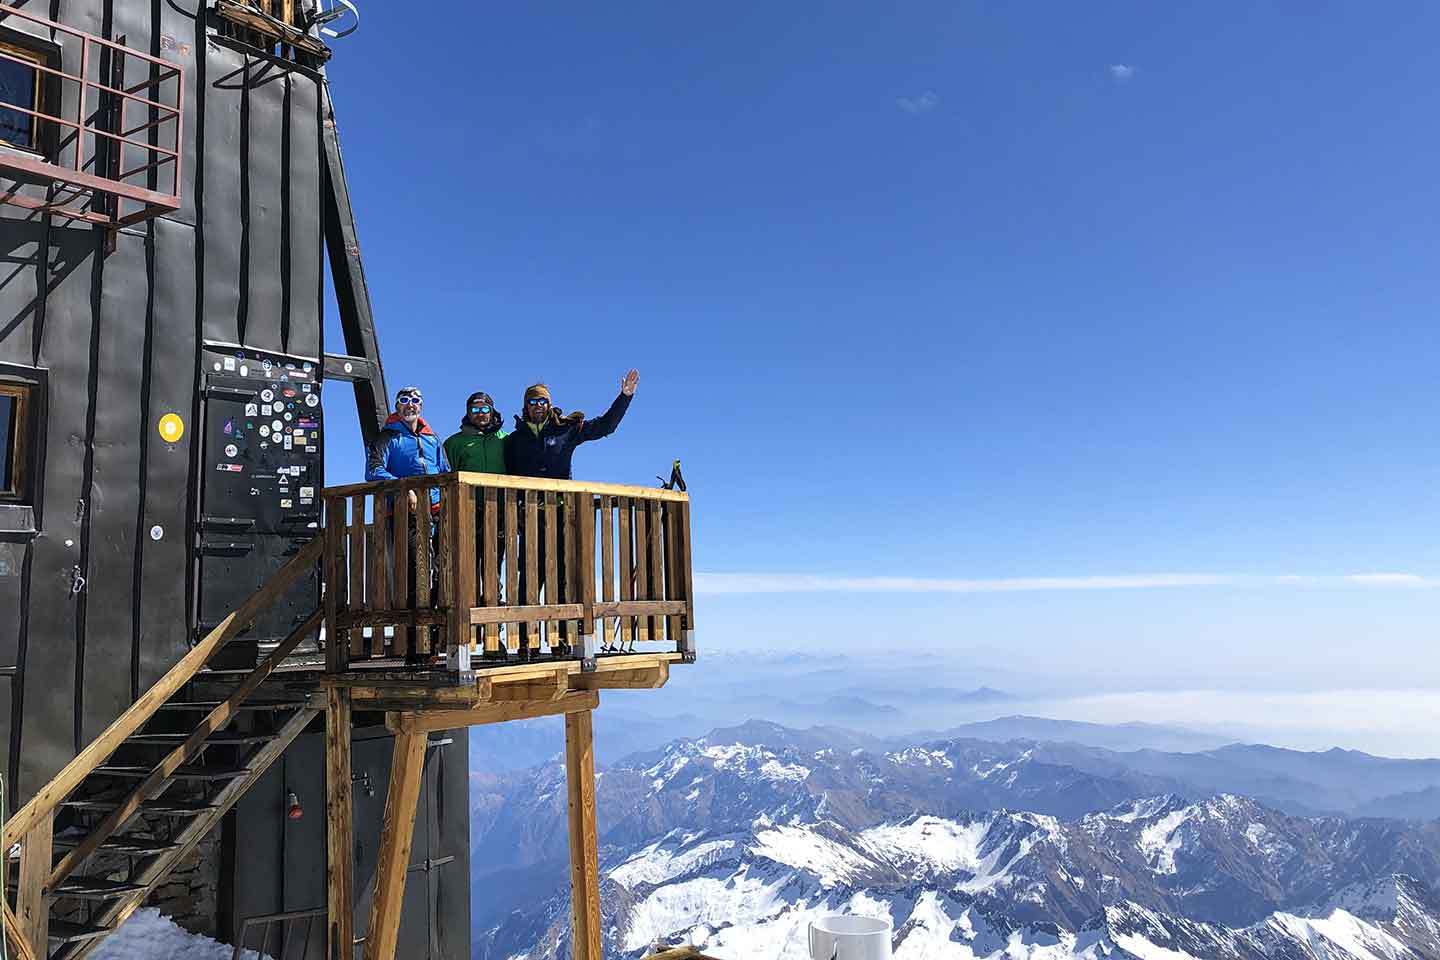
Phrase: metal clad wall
(221, 210)
(119, 334)
(50, 717)
(51, 703)
(23, 234)
(100, 603)
(162, 636)
(264, 125)
(115, 488)
(304, 237)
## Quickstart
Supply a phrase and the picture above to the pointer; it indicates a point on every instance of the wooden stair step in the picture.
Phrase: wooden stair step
(162, 807)
(67, 932)
(221, 738)
(208, 705)
(96, 888)
(187, 772)
(121, 844)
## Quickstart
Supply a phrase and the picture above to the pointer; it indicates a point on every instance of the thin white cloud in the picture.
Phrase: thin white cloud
(923, 103)
(714, 583)
(1390, 579)
(1121, 72)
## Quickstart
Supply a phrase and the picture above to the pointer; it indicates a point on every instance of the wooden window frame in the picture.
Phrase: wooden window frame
(39, 59)
(16, 487)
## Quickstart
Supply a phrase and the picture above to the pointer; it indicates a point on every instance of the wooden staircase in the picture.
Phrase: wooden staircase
(117, 820)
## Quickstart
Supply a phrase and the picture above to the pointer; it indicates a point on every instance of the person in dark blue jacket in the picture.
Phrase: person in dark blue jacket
(542, 445)
(545, 438)
(406, 446)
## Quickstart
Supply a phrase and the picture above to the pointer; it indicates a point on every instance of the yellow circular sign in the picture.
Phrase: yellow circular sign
(171, 427)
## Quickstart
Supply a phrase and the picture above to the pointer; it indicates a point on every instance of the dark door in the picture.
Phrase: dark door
(260, 502)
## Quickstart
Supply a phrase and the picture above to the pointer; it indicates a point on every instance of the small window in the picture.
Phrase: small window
(19, 86)
(15, 413)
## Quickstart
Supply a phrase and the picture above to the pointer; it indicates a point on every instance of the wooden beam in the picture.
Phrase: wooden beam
(138, 714)
(396, 835)
(237, 14)
(552, 687)
(13, 935)
(394, 617)
(347, 279)
(425, 721)
(339, 828)
(507, 482)
(645, 678)
(639, 608)
(31, 903)
(584, 849)
(518, 614)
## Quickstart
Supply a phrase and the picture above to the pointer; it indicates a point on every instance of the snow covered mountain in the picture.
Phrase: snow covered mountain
(736, 842)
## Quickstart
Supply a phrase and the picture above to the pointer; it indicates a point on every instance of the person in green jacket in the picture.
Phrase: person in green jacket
(479, 447)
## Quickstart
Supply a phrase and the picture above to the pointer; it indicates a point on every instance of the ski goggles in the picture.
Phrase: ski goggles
(480, 409)
(538, 402)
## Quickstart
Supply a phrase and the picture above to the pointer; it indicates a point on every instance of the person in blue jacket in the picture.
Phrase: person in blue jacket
(406, 446)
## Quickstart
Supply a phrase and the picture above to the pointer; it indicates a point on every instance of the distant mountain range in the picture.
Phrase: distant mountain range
(1020, 850)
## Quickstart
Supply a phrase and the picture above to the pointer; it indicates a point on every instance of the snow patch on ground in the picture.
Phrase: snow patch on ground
(919, 756)
(739, 901)
(830, 862)
(773, 769)
(993, 870)
(1160, 840)
(663, 861)
(148, 935)
(927, 844)
(1342, 931)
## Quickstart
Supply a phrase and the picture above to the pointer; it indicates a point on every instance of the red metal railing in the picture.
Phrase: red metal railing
(83, 191)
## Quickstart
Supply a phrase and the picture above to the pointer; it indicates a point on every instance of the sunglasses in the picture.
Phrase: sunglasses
(538, 402)
(479, 409)
(406, 398)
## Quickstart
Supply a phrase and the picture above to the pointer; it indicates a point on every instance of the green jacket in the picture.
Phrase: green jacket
(475, 451)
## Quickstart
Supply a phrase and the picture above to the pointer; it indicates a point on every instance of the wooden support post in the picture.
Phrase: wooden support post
(357, 571)
(608, 627)
(14, 935)
(31, 905)
(584, 849)
(337, 655)
(396, 835)
(463, 562)
(627, 573)
(490, 551)
(339, 828)
(584, 526)
(512, 566)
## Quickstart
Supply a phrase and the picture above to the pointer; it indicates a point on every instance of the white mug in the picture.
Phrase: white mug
(849, 938)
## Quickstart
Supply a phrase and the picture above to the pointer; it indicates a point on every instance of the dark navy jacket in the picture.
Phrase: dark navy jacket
(548, 455)
(398, 453)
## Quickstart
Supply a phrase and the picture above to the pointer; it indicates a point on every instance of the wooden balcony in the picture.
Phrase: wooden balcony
(503, 572)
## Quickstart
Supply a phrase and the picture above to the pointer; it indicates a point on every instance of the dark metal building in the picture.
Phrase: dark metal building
(171, 181)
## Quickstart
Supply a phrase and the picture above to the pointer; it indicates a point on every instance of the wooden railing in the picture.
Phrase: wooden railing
(504, 568)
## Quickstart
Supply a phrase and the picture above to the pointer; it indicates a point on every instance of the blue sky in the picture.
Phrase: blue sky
(951, 292)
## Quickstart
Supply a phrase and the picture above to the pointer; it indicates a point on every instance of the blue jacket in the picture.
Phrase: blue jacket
(398, 453)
